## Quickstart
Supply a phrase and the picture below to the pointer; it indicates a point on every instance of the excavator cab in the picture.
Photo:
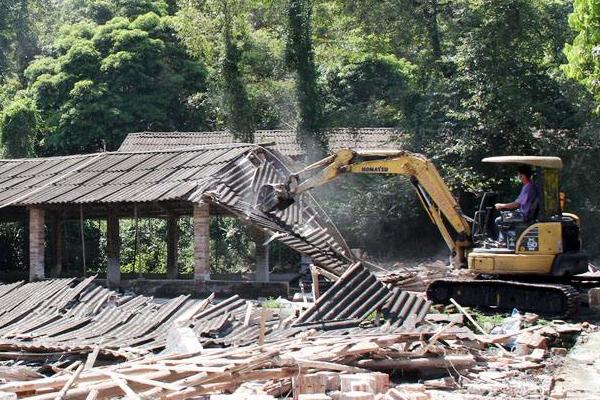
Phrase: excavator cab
(549, 243)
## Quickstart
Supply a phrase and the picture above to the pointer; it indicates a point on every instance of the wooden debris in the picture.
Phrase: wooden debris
(462, 310)
(457, 362)
(311, 364)
(63, 392)
(18, 373)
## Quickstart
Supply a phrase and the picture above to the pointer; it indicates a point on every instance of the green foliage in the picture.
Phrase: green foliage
(369, 91)
(238, 109)
(271, 302)
(381, 215)
(225, 25)
(103, 81)
(300, 59)
(95, 242)
(18, 124)
(502, 89)
(486, 319)
(583, 53)
(13, 237)
(232, 247)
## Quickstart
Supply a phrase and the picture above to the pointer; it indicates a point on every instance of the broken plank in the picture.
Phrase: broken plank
(131, 394)
(415, 364)
(63, 392)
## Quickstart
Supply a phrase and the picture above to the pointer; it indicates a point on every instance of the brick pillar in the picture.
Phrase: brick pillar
(172, 241)
(261, 256)
(58, 235)
(201, 242)
(37, 239)
(113, 250)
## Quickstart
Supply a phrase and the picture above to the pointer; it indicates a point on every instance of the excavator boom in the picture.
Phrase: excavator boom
(434, 194)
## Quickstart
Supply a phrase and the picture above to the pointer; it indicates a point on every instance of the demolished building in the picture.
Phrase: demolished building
(192, 181)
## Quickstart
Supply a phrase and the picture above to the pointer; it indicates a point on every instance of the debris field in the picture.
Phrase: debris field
(361, 339)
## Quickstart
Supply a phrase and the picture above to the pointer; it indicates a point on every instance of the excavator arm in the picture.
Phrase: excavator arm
(431, 189)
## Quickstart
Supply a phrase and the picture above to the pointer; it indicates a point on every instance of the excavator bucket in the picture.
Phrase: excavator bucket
(273, 197)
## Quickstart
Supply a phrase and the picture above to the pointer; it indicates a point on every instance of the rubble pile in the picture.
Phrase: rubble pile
(389, 345)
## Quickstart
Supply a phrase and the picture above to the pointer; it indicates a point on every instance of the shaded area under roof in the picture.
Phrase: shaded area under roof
(284, 140)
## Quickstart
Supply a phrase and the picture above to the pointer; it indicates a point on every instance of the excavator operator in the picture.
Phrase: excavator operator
(524, 207)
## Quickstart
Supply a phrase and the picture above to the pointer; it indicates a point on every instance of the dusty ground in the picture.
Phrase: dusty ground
(579, 376)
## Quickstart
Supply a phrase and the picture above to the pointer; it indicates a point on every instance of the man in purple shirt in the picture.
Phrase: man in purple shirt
(525, 203)
(523, 207)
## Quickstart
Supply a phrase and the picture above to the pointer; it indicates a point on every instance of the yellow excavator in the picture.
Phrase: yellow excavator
(533, 271)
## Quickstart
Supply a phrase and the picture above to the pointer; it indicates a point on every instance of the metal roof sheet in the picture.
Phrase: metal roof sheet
(284, 140)
(539, 161)
(114, 176)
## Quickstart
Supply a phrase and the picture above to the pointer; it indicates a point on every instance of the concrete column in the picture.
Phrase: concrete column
(261, 256)
(172, 240)
(37, 239)
(113, 250)
(58, 239)
(201, 242)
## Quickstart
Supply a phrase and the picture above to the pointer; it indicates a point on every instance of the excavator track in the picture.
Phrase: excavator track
(544, 299)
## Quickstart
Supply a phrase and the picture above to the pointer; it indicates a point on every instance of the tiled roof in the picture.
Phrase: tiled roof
(285, 140)
(227, 175)
(113, 177)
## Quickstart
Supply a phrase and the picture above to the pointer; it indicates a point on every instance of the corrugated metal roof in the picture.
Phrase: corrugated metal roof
(156, 175)
(285, 140)
(66, 317)
(357, 294)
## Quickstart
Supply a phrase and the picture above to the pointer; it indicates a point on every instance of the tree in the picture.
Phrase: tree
(103, 81)
(502, 89)
(300, 58)
(18, 39)
(369, 91)
(239, 111)
(18, 126)
(221, 43)
(583, 54)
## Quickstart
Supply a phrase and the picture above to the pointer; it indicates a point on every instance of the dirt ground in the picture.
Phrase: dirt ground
(579, 375)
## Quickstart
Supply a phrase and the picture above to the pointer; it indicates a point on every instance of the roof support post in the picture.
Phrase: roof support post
(201, 227)
(172, 241)
(261, 256)
(57, 236)
(113, 250)
(37, 239)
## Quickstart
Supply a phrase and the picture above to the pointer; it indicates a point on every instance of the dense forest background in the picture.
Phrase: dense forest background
(464, 79)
